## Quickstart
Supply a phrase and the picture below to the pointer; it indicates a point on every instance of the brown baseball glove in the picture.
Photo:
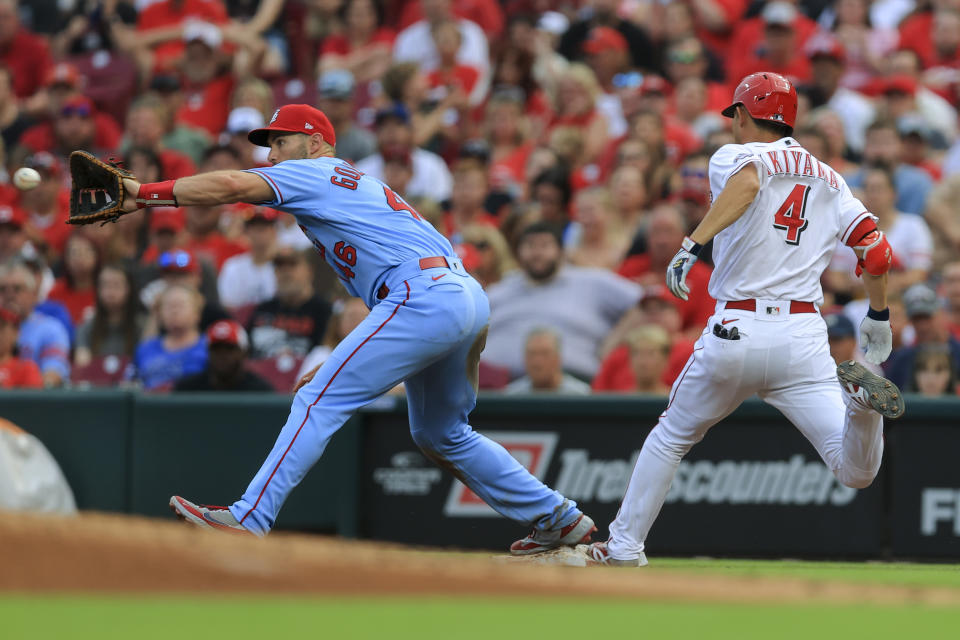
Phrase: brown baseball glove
(96, 193)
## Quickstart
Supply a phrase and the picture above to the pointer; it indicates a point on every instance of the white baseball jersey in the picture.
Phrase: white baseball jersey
(782, 244)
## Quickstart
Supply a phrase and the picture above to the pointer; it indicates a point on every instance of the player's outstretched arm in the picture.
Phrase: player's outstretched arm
(216, 187)
(733, 201)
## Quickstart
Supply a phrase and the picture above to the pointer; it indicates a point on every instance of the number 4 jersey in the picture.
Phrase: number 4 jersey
(358, 224)
(782, 244)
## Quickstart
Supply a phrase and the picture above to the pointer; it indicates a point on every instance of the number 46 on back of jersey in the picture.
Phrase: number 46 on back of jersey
(791, 215)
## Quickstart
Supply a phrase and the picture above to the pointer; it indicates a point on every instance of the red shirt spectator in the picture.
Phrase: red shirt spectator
(935, 39)
(718, 97)
(25, 54)
(43, 136)
(40, 137)
(451, 228)
(679, 139)
(467, 197)
(694, 311)
(214, 248)
(511, 169)
(616, 374)
(340, 45)
(166, 230)
(46, 206)
(15, 373)
(463, 76)
(9, 194)
(915, 29)
(76, 289)
(76, 302)
(175, 164)
(718, 40)
(750, 33)
(54, 230)
(779, 48)
(173, 13)
(207, 106)
(486, 13)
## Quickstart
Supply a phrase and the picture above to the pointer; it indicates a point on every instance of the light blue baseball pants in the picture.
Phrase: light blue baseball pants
(428, 333)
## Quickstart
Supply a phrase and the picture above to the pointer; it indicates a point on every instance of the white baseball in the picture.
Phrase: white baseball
(26, 178)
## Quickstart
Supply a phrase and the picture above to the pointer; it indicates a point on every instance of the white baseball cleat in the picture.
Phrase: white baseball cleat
(206, 516)
(870, 390)
(598, 555)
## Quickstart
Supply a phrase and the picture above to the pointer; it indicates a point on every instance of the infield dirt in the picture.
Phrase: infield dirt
(119, 554)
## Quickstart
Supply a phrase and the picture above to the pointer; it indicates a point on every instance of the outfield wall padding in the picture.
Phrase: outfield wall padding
(754, 486)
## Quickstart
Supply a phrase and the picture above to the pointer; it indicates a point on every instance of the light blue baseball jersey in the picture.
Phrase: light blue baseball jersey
(358, 224)
(427, 334)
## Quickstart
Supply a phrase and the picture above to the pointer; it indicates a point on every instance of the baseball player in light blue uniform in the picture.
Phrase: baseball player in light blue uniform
(426, 328)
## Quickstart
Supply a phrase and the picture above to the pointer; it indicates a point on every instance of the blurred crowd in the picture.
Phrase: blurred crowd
(562, 146)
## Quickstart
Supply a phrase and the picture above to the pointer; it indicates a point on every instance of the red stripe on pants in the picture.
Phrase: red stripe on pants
(307, 417)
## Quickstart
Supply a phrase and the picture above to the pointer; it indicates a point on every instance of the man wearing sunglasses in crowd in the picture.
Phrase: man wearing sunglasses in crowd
(76, 125)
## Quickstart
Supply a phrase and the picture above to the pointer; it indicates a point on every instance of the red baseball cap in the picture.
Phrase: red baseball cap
(825, 46)
(43, 161)
(295, 118)
(261, 214)
(900, 83)
(12, 216)
(469, 255)
(227, 332)
(604, 39)
(400, 156)
(167, 218)
(655, 84)
(658, 292)
(63, 73)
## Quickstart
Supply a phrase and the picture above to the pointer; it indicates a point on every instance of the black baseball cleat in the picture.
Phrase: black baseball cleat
(868, 388)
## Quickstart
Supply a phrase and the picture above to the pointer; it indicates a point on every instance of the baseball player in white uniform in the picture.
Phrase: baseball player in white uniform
(776, 217)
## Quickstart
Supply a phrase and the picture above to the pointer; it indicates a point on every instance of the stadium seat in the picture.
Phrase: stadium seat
(280, 371)
(107, 371)
(493, 377)
(111, 81)
(293, 91)
(242, 314)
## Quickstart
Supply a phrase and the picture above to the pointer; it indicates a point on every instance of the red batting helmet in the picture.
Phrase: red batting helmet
(766, 96)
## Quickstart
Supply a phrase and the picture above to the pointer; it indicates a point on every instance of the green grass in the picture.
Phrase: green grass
(102, 617)
(887, 573)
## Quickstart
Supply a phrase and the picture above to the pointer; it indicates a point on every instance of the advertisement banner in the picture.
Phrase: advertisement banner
(925, 495)
(754, 486)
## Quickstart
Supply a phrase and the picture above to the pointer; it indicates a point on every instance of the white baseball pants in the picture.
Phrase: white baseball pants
(785, 359)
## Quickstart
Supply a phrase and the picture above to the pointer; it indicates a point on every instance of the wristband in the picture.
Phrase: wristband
(157, 194)
(691, 247)
(882, 316)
